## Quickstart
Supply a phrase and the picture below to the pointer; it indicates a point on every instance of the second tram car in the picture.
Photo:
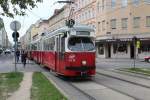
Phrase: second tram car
(67, 51)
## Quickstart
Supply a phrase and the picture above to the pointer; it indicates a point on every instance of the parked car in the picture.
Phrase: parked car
(7, 51)
(147, 58)
(12, 50)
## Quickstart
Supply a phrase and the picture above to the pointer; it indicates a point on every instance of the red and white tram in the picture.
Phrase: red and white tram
(67, 51)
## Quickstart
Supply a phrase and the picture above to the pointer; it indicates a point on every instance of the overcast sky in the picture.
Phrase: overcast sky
(44, 11)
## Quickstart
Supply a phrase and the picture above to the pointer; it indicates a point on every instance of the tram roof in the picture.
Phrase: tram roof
(75, 28)
(35, 41)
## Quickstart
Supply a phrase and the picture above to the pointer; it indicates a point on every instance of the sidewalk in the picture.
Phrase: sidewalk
(24, 91)
(9, 66)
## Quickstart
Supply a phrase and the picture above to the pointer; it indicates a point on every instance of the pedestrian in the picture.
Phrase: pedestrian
(23, 58)
(17, 55)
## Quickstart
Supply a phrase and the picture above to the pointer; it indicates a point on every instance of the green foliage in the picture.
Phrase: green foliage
(42, 89)
(9, 82)
(144, 71)
(17, 7)
(1, 24)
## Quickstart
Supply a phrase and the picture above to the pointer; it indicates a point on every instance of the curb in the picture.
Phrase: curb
(134, 74)
(53, 82)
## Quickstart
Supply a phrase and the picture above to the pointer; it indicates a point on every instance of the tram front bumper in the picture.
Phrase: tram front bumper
(82, 68)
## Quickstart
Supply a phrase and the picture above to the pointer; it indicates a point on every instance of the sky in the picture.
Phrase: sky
(43, 11)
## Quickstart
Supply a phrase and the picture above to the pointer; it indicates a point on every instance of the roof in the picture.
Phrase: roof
(74, 28)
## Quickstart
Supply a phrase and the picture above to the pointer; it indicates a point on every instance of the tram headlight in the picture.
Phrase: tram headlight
(84, 62)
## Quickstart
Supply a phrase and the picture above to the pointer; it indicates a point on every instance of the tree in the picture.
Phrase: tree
(17, 7)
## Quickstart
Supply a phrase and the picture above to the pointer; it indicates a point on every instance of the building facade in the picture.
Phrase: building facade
(118, 22)
(4, 42)
(85, 12)
(58, 19)
(33, 33)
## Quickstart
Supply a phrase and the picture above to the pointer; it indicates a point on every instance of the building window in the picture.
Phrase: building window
(135, 2)
(101, 49)
(136, 22)
(103, 25)
(113, 24)
(86, 15)
(147, 1)
(89, 15)
(99, 26)
(98, 6)
(148, 21)
(113, 3)
(145, 47)
(120, 48)
(103, 4)
(124, 22)
(124, 3)
(94, 13)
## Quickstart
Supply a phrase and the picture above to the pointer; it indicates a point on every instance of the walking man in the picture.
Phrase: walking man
(23, 58)
(17, 55)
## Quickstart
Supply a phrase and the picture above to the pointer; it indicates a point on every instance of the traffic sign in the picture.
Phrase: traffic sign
(15, 25)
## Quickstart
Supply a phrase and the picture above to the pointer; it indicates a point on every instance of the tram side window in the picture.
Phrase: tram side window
(34, 47)
(51, 43)
(46, 44)
(38, 46)
(63, 44)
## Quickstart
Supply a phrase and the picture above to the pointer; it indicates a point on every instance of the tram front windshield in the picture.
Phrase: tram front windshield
(80, 44)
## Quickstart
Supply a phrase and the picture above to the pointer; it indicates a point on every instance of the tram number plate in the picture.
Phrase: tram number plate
(83, 73)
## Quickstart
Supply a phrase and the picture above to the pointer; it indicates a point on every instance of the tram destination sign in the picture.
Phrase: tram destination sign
(83, 33)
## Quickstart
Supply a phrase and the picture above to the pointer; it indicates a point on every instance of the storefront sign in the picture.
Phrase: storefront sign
(138, 44)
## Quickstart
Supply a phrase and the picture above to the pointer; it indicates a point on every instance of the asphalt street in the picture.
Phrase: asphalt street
(109, 88)
(109, 64)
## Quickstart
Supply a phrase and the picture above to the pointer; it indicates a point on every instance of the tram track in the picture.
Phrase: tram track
(82, 91)
(121, 79)
(122, 90)
(95, 80)
(90, 89)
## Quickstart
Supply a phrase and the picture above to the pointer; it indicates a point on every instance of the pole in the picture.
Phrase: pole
(134, 51)
(15, 47)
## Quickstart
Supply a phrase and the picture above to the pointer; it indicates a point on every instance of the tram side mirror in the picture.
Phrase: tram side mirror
(65, 35)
